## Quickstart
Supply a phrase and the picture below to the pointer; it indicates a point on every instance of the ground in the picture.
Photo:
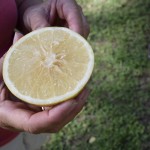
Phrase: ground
(117, 114)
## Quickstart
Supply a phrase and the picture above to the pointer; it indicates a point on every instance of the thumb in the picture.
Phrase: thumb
(17, 36)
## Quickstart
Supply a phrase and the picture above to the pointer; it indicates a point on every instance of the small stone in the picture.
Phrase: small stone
(92, 139)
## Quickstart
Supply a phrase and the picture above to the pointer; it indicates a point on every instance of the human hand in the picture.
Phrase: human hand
(65, 13)
(19, 116)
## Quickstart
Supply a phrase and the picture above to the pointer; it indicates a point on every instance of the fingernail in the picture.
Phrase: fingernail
(46, 108)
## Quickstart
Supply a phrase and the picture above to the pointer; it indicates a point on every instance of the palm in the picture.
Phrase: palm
(11, 107)
(17, 115)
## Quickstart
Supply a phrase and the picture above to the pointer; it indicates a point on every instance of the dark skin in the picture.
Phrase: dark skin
(16, 115)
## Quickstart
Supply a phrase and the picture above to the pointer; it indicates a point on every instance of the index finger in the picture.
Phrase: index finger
(73, 17)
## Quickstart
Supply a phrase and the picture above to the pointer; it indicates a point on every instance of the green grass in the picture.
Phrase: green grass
(117, 115)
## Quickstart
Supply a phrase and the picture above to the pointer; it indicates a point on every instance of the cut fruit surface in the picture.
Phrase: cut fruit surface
(48, 66)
